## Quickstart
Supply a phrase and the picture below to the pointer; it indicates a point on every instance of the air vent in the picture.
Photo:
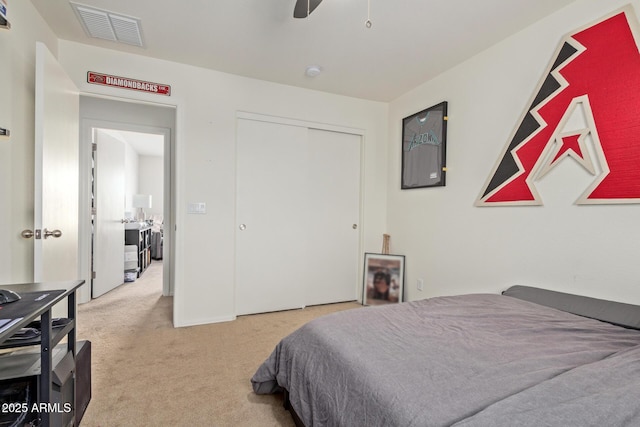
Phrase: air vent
(127, 29)
(106, 25)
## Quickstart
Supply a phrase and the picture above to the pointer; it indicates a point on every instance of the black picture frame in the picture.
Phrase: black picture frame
(389, 271)
(424, 148)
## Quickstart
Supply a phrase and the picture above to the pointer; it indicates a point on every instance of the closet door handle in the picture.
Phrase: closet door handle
(242, 227)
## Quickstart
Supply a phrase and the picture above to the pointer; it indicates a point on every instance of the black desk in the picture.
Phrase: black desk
(38, 300)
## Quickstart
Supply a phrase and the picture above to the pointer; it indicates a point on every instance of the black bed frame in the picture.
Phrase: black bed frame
(287, 405)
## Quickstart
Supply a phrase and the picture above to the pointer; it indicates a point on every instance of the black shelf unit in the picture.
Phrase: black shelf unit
(141, 237)
(38, 300)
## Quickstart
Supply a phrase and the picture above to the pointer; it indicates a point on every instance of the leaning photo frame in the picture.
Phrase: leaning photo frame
(424, 148)
(383, 279)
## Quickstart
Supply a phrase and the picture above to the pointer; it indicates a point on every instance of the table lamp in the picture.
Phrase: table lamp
(142, 202)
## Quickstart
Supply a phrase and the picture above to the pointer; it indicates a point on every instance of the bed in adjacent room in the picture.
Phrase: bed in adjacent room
(527, 357)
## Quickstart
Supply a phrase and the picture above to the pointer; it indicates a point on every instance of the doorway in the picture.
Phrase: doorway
(129, 123)
(127, 205)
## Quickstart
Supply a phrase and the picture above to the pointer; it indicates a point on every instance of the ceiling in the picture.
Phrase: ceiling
(145, 144)
(410, 41)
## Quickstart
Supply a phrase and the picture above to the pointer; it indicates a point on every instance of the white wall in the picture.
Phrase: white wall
(17, 98)
(150, 181)
(453, 245)
(459, 248)
(131, 177)
(207, 103)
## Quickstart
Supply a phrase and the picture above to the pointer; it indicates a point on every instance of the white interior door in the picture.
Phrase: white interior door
(270, 217)
(56, 183)
(297, 204)
(108, 237)
(334, 216)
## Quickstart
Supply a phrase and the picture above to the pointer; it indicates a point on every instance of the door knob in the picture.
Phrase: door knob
(27, 234)
(242, 227)
(54, 233)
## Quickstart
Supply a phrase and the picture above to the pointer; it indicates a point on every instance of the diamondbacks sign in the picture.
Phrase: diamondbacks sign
(127, 83)
(586, 108)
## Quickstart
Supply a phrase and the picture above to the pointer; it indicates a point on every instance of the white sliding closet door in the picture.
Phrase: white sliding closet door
(334, 210)
(270, 219)
(297, 202)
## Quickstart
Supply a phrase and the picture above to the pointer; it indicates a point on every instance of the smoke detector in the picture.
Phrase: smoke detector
(107, 25)
(313, 70)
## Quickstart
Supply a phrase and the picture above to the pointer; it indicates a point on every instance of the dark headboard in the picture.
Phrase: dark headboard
(618, 313)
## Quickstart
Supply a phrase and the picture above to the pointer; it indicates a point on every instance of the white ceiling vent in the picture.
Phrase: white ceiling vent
(106, 25)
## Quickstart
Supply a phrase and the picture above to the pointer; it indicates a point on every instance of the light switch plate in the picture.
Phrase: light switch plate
(197, 208)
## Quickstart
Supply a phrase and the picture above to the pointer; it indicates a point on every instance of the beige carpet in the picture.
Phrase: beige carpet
(145, 372)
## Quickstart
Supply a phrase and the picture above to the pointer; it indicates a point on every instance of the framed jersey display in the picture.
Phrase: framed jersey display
(424, 143)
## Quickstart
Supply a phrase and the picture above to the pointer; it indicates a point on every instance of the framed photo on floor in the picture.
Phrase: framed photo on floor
(383, 279)
(424, 148)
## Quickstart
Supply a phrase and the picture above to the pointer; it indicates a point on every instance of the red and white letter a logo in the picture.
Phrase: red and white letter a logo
(587, 108)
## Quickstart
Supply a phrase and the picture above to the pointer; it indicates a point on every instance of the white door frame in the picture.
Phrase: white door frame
(86, 127)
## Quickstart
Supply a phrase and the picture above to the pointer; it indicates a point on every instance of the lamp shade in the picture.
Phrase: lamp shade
(141, 201)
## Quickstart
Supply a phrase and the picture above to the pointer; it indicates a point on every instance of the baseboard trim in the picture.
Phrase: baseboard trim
(206, 321)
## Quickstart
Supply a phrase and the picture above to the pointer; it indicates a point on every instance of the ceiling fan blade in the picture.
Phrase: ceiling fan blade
(305, 7)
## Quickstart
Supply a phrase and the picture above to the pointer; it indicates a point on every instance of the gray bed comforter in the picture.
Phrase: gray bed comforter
(475, 360)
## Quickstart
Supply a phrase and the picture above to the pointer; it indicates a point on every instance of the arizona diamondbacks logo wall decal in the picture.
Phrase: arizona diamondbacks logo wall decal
(586, 108)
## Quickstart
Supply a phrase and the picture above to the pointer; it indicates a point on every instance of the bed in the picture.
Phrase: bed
(527, 357)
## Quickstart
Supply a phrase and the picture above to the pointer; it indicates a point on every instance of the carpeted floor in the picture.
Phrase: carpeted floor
(145, 372)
